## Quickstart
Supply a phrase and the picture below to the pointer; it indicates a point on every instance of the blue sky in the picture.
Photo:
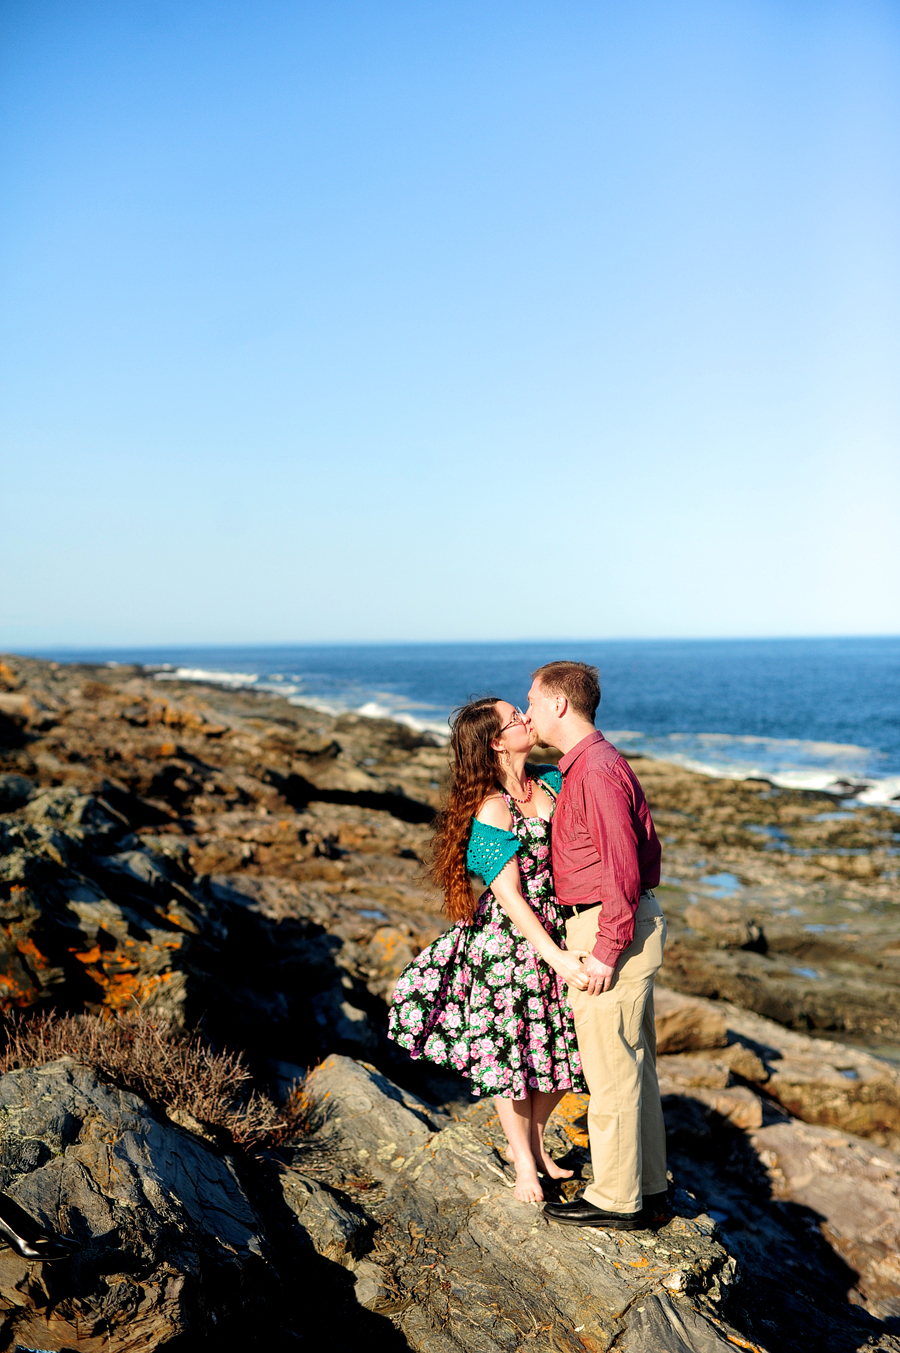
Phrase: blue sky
(393, 321)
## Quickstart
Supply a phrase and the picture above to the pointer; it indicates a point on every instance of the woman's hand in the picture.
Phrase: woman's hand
(567, 962)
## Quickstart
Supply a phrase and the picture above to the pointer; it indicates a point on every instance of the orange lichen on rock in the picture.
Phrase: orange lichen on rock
(123, 990)
(88, 956)
(28, 949)
(572, 1110)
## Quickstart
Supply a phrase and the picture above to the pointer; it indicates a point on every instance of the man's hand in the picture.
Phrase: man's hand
(599, 975)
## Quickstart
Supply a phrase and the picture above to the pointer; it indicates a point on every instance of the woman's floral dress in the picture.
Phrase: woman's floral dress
(482, 1001)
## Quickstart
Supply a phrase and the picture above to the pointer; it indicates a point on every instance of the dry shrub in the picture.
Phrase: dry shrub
(167, 1066)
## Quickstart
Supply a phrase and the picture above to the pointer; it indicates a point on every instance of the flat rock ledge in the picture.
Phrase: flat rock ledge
(465, 1266)
(171, 1245)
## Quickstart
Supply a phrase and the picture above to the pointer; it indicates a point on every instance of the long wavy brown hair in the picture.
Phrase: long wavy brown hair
(473, 774)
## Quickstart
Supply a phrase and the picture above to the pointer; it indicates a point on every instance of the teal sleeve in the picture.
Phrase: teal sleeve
(490, 848)
(551, 775)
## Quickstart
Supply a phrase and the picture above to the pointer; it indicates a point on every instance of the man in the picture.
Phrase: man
(605, 863)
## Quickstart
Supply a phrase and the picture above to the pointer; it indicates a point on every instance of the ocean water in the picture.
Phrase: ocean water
(806, 713)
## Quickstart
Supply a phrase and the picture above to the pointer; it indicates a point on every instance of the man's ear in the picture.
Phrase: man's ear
(561, 707)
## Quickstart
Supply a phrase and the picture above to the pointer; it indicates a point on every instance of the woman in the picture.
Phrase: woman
(488, 998)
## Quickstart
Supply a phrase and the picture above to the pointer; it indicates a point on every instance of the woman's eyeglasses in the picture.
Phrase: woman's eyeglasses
(518, 717)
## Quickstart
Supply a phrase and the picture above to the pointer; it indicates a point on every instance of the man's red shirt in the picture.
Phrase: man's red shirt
(605, 847)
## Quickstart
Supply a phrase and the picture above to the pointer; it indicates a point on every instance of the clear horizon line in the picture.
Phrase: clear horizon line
(42, 650)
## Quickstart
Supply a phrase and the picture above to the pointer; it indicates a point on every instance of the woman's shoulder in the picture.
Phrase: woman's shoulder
(494, 812)
(551, 776)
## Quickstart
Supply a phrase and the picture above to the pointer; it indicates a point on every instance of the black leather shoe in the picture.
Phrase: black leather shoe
(27, 1237)
(582, 1213)
(656, 1204)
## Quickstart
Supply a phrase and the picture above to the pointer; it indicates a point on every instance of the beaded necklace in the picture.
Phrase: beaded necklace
(527, 797)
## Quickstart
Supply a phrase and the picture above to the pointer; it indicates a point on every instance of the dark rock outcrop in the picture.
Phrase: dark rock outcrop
(229, 858)
(170, 1244)
(462, 1264)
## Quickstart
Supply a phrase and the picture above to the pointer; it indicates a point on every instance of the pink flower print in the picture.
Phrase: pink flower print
(431, 979)
(411, 1018)
(542, 852)
(435, 1047)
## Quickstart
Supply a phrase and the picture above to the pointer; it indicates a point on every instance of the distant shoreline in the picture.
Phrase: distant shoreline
(417, 685)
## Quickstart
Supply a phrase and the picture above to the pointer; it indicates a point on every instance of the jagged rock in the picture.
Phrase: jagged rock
(726, 923)
(170, 1243)
(686, 1025)
(356, 1104)
(336, 1230)
(659, 1323)
(449, 1196)
(862, 1000)
(855, 1188)
(738, 1105)
(691, 1071)
(387, 953)
(814, 1079)
(89, 915)
(744, 1062)
(15, 790)
(372, 1289)
(829, 1087)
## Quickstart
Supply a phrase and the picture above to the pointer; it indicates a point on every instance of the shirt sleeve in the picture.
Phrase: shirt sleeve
(489, 850)
(609, 817)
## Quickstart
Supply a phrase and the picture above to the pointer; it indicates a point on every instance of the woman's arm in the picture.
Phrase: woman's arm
(507, 888)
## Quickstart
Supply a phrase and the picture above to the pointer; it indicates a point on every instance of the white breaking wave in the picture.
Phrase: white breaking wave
(373, 710)
(836, 768)
(201, 674)
(842, 769)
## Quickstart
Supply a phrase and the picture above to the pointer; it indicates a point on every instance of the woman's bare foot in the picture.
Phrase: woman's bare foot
(550, 1167)
(528, 1189)
(547, 1165)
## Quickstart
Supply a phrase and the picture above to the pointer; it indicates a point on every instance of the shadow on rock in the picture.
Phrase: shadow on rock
(794, 1290)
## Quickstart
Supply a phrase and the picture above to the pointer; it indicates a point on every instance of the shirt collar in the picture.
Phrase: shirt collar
(566, 762)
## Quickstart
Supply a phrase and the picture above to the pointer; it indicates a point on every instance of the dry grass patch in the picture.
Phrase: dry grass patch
(175, 1070)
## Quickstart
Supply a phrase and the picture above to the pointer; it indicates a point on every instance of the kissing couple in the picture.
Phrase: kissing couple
(544, 983)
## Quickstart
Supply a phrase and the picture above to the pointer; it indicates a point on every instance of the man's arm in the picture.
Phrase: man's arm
(609, 818)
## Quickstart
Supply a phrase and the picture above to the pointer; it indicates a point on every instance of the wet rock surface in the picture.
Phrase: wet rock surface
(232, 860)
(782, 901)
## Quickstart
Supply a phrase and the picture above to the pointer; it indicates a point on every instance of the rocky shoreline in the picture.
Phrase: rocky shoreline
(233, 861)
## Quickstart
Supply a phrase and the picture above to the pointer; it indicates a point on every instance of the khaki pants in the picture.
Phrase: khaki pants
(617, 1041)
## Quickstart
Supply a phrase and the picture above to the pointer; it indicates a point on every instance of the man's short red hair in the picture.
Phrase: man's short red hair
(577, 681)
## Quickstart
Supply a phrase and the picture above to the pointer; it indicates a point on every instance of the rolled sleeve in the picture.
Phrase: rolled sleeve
(609, 818)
